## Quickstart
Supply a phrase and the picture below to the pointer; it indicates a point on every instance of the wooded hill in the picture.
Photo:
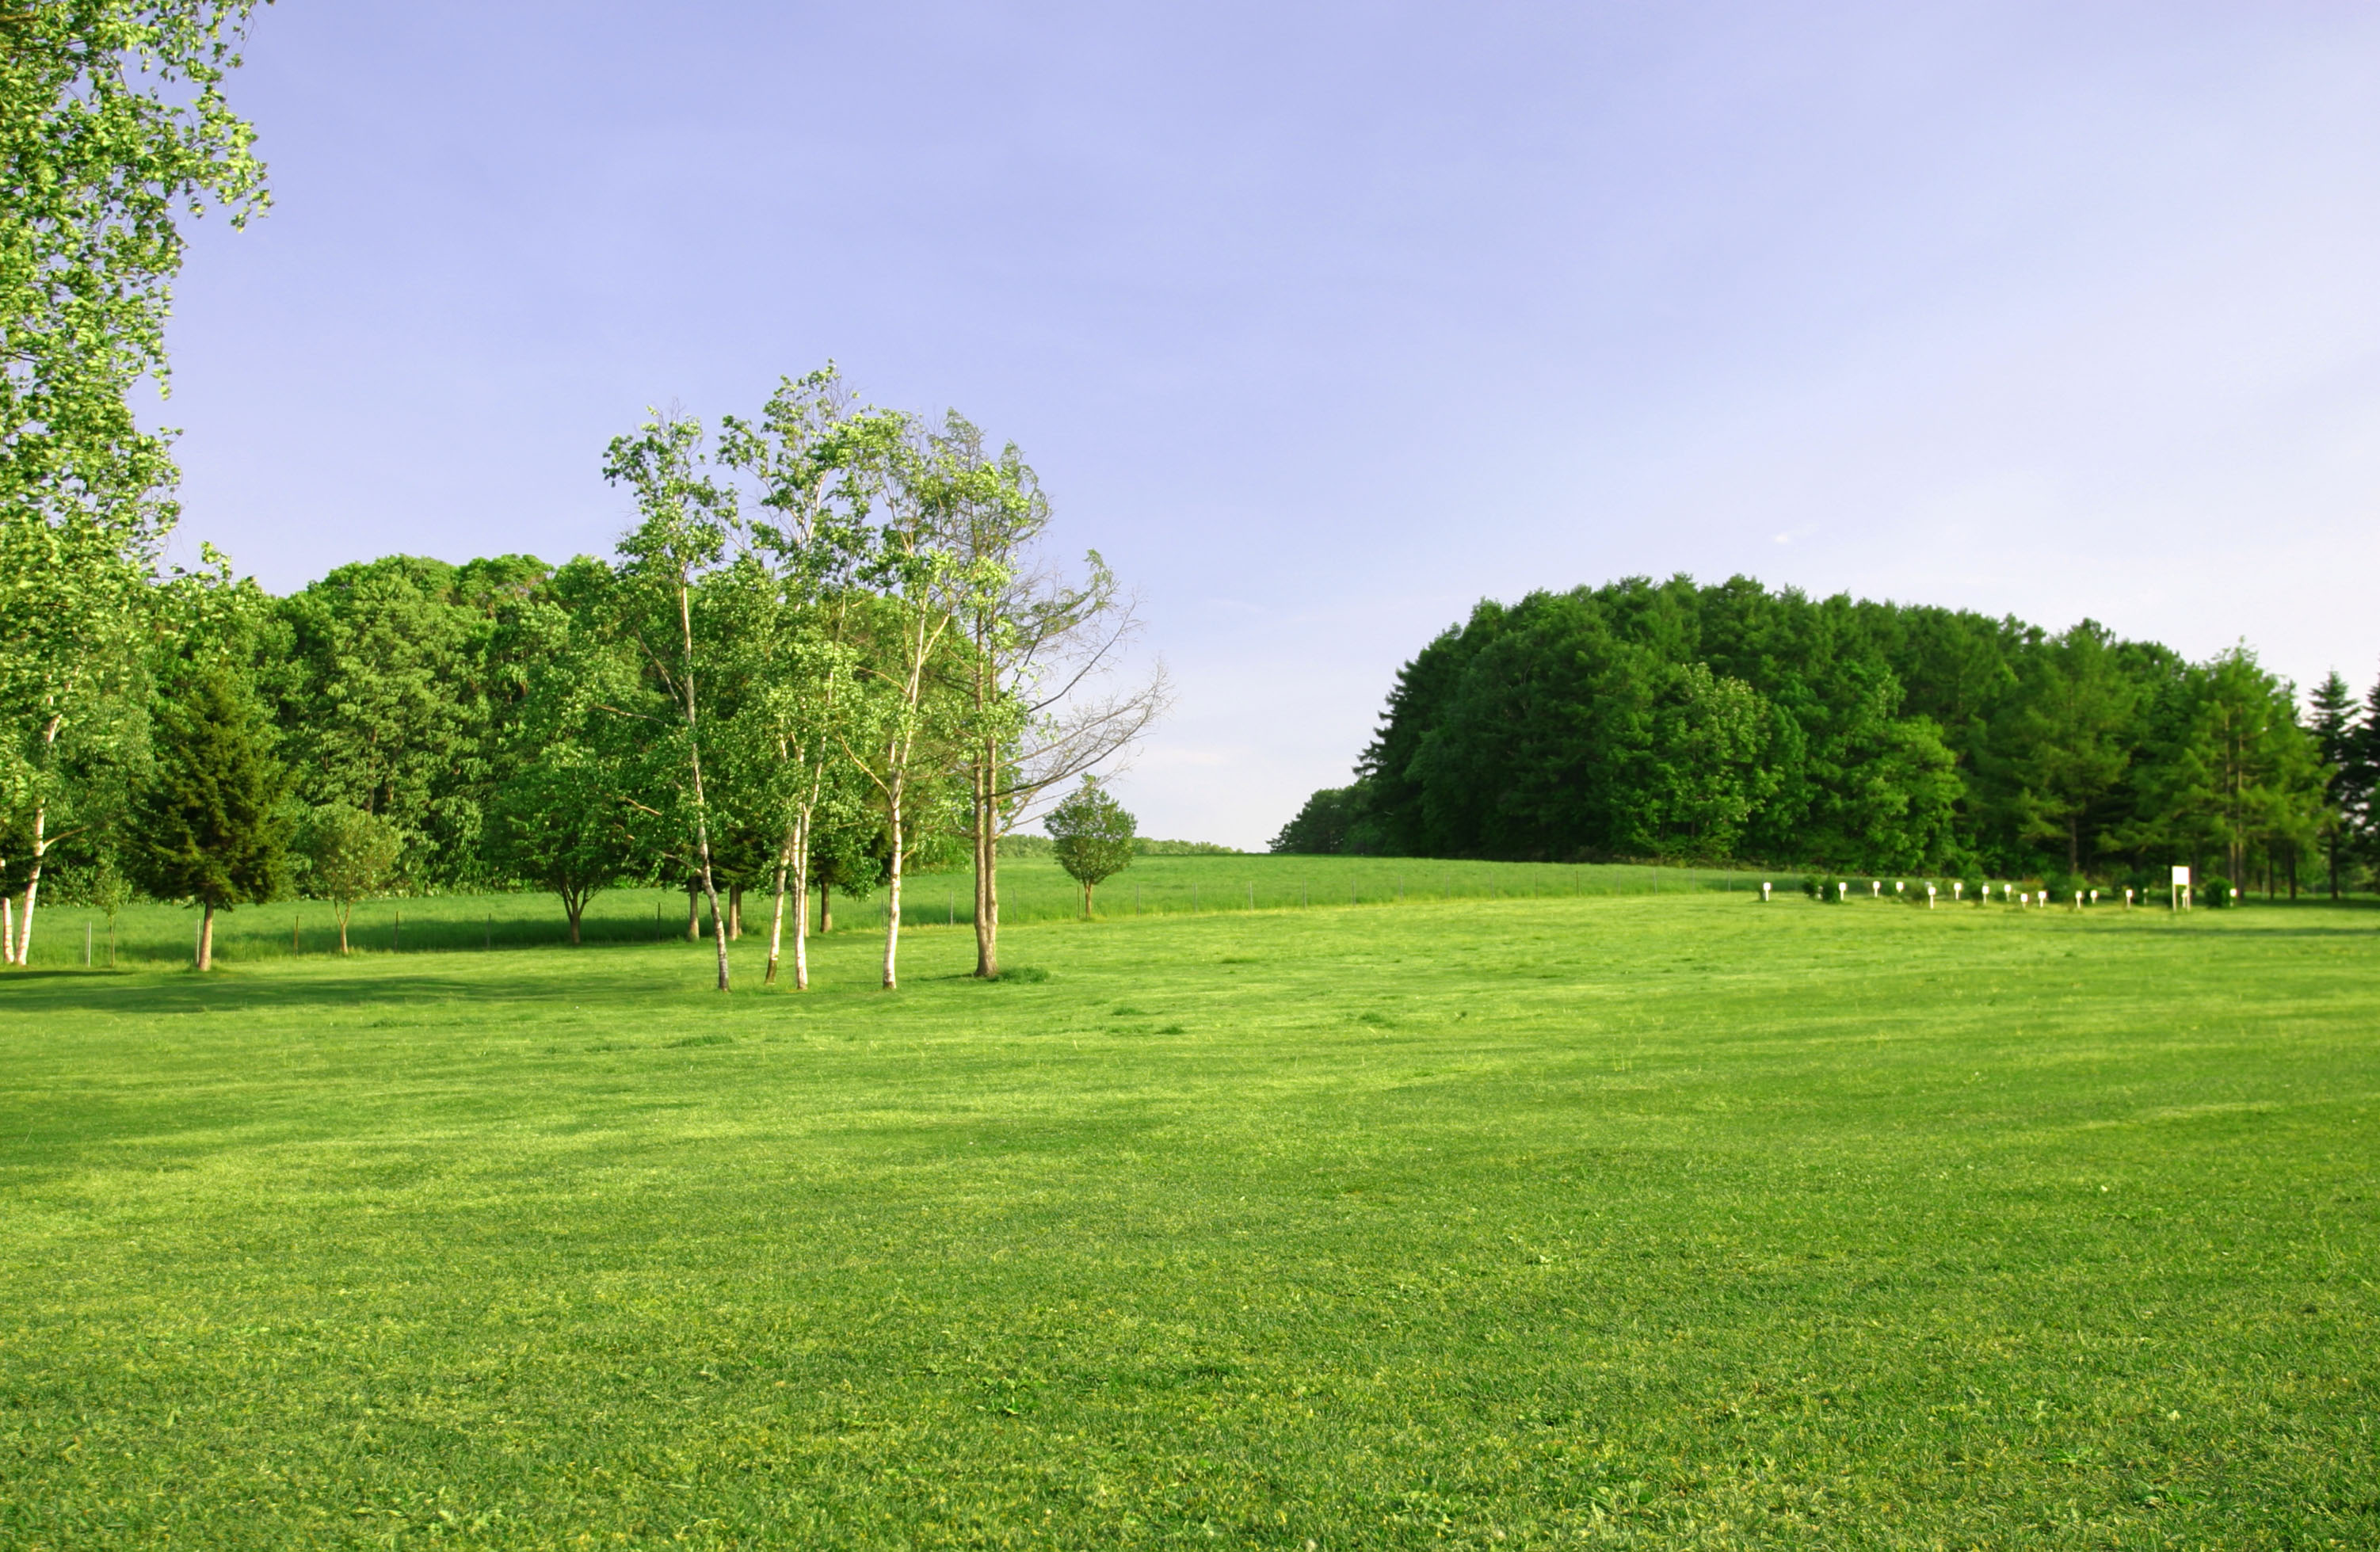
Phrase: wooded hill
(1668, 720)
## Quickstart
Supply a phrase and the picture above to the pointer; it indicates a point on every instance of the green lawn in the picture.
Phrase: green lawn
(1622, 1221)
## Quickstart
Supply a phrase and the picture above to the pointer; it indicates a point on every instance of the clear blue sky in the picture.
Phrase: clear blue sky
(1322, 322)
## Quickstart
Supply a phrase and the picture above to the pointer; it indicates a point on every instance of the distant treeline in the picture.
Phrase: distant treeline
(1667, 720)
(1142, 846)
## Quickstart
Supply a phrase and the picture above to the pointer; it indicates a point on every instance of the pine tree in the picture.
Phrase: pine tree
(2339, 732)
(208, 826)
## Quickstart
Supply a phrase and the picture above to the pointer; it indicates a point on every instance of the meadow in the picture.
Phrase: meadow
(1608, 1219)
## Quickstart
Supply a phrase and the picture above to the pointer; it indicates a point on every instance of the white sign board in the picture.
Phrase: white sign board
(2182, 878)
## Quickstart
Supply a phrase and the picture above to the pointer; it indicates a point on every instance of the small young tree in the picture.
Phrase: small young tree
(109, 892)
(354, 853)
(1093, 836)
(558, 825)
(208, 827)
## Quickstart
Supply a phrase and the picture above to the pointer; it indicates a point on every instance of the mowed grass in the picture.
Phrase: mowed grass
(1632, 1221)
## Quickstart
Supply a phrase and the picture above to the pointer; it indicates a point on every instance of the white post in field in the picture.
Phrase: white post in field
(1764, 892)
(2182, 888)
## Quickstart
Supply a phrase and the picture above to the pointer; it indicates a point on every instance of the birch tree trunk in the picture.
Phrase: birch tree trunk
(892, 884)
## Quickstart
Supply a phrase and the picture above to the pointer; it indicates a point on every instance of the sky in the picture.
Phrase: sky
(1323, 321)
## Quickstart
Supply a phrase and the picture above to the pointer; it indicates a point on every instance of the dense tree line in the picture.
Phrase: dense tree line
(1667, 720)
(828, 651)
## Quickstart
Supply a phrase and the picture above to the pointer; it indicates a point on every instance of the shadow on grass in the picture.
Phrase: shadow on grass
(223, 991)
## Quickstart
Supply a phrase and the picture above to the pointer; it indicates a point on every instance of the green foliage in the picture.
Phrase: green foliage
(113, 124)
(393, 680)
(1092, 836)
(1325, 825)
(1706, 723)
(210, 824)
(1143, 846)
(351, 854)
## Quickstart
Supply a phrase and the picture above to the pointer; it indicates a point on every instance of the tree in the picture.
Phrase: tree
(917, 575)
(208, 827)
(2338, 737)
(1093, 836)
(1710, 771)
(353, 853)
(1039, 651)
(1323, 826)
(2065, 737)
(112, 124)
(2228, 769)
(560, 825)
(682, 536)
(813, 456)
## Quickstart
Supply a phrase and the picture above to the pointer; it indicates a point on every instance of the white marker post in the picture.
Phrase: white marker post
(1929, 897)
(1764, 892)
(1842, 891)
(2078, 900)
(1958, 890)
(2128, 900)
(1875, 889)
(2094, 897)
(2182, 888)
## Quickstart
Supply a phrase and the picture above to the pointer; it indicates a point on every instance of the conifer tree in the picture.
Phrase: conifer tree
(208, 826)
(2338, 732)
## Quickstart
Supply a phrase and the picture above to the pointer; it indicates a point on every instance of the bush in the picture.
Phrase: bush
(2215, 893)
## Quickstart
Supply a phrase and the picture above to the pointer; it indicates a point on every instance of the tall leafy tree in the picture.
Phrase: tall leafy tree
(682, 535)
(1034, 677)
(112, 126)
(210, 826)
(815, 459)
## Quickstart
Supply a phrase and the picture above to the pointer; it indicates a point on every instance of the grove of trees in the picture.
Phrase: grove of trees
(1667, 720)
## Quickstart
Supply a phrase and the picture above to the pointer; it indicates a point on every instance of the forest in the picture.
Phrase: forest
(1708, 723)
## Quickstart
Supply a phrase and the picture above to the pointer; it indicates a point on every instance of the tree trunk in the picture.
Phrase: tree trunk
(8, 927)
(826, 909)
(893, 889)
(735, 912)
(694, 763)
(2334, 864)
(801, 907)
(2074, 843)
(571, 908)
(693, 914)
(987, 861)
(24, 951)
(345, 911)
(777, 910)
(207, 938)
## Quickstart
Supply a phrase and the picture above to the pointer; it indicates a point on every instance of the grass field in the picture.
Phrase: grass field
(1616, 1221)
